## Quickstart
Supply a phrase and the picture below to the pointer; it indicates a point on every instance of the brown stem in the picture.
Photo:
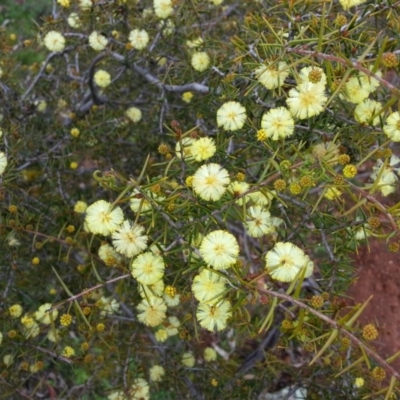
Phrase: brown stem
(388, 368)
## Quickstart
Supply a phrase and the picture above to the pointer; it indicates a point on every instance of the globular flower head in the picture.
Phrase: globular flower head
(312, 74)
(203, 149)
(15, 310)
(108, 254)
(219, 249)
(102, 218)
(354, 91)
(272, 75)
(200, 61)
(231, 116)
(134, 114)
(237, 188)
(307, 100)
(188, 359)
(43, 314)
(208, 286)
(368, 112)
(183, 148)
(157, 372)
(210, 354)
(154, 290)
(3, 162)
(102, 78)
(285, 261)
(384, 175)
(277, 123)
(163, 8)
(258, 222)
(97, 41)
(392, 126)
(139, 39)
(129, 239)
(73, 20)
(210, 181)
(346, 4)
(54, 41)
(148, 268)
(214, 316)
(151, 311)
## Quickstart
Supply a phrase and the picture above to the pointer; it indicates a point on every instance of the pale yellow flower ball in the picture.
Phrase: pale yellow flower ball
(156, 373)
(80, 207)
(200, 61)
(134, 114)
(139, 39)
(54, 41)
(102, 78)
(15, 311)
(187, 97)
(64, 3)
(97, 41)
(163, 8)
(73, 20)
(210, 354)
(85, 4)
(188, 359)
(3, 162)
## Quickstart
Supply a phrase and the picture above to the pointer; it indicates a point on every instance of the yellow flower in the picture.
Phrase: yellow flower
(64, 3)
(15, 311)
(203, 149)
(187, 97)
(368, 112)
(85, 4)
(188, 359)
(200, 61)
(97, 41)
(138, 39)
(354, 91)
(102, 78)
(392, 126)
(285, 261)
(129, 239)
(156, 373)
(263, 198)
(258, 222)
(346, 4)
(183, 148)
(214, 316)
(312, 74)
(43, 315)
(102, 219)
(73, 20)
(161, 335)
(219, 249)
(359, 382)
(154, 290)
(54, 41)
(151, 312)
(210, 354)
(332, 193)
(272, 75)
(148, 268)
(210, 181)
(134, 114)
(68, 352)
(80, 207)
(163, 8)
(231, 116)
(208, 286)
(237, 188)
(198, 42)
(306, 100)
(384, 175)
(277, 123)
